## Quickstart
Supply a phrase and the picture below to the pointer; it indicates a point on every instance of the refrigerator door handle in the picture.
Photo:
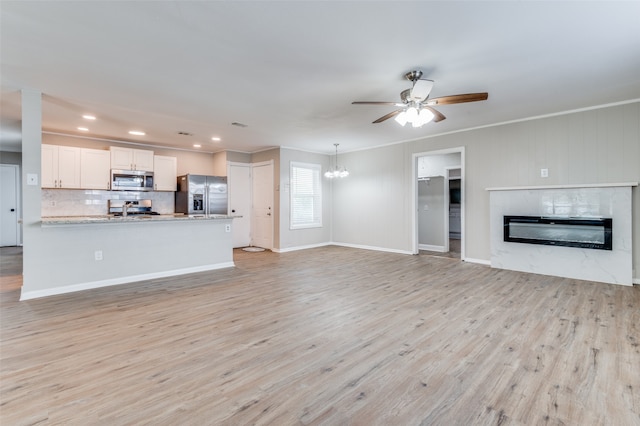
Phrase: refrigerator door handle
(206, 200)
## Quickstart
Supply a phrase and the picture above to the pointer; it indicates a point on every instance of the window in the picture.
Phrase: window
(306, 196)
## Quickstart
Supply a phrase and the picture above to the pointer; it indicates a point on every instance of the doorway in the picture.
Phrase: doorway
(438, 201)
(9, 205)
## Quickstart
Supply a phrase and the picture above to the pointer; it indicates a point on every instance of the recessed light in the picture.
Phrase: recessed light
(136, 133)
(89, 117)
(196, 145)
(216, 139)
(83, 129)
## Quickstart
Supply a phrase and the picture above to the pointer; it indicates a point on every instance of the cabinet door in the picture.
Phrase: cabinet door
(121, 158)
(49, 166)
(68, 167)
(95, 168)
(165, 173)
(143, 160)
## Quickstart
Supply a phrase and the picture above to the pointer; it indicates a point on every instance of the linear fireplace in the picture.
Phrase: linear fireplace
(591, 233)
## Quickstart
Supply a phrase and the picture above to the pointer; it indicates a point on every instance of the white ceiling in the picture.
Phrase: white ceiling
(290, 69)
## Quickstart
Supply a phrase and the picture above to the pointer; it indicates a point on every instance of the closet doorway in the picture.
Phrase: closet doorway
(438, 222)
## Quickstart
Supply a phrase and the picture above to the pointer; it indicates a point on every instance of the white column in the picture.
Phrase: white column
(31, 189)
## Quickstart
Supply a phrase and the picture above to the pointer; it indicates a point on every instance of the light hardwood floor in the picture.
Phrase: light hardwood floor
(326, 336)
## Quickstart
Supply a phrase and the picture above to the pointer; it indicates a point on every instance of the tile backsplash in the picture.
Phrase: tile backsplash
(88, 202)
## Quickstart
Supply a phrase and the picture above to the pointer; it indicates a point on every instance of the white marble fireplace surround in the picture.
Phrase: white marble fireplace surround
(606, 200)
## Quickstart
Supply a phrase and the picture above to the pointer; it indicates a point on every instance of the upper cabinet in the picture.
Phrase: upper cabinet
(131, 159)
(60, 166)
(165, 173)
(95, 170)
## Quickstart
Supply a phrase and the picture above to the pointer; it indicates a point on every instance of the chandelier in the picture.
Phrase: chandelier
(337, 172)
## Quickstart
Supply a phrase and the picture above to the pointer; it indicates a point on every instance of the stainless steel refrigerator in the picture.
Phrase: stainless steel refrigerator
(201, 195)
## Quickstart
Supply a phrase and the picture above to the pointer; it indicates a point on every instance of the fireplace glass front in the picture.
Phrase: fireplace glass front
(592, 233)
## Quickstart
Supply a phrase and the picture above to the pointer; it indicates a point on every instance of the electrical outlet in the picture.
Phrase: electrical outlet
(544, 173)
(227, 228)
(52, 203)
(98, 255)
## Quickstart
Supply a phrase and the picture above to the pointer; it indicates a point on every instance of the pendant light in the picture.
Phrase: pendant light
(337, 172)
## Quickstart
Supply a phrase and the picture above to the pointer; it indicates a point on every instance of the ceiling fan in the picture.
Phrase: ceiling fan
(417, 108)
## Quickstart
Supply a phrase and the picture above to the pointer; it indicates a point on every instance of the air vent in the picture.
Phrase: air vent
(235, 123)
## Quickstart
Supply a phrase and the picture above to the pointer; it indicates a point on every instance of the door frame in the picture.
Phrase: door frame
(18, 201)
(414, 198)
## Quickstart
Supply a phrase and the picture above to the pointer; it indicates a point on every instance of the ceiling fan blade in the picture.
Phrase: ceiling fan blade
(421, 89)
(458, 99)
(374, 103)
(437, 115)
(388, 116)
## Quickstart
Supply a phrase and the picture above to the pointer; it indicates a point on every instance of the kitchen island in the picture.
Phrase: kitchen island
(75, 253)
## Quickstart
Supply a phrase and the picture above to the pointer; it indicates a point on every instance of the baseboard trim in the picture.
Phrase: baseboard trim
(358, 246)
(478, 261)
(636, 281)
(429, 247)
(310, 246)
(27, 295)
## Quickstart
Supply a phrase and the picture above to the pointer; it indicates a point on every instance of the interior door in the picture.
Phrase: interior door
(9, 205)
(263, 207)
(239, 188)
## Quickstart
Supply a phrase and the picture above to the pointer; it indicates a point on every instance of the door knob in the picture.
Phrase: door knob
(233, 211)
(13, 210)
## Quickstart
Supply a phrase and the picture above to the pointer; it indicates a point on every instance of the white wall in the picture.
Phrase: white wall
(434, 165)
(431, 210)
(601, 145)
(372, 207)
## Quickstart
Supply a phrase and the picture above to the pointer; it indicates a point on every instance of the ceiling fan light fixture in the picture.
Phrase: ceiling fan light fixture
(412, 114)
(425, 116)
(401, 118)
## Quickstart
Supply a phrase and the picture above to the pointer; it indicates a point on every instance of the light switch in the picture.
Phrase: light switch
(32, 179)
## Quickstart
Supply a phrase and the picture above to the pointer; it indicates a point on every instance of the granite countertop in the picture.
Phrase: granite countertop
(77, 220)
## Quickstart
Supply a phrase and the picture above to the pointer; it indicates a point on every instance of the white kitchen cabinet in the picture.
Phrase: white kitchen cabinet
(165, 173)
(131, 159)
(60, 166)
(95, 169)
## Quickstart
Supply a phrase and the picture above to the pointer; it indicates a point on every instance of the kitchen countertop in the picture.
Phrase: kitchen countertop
(81, 220)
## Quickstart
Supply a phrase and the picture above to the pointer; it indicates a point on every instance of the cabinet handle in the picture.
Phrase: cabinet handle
(60, 183)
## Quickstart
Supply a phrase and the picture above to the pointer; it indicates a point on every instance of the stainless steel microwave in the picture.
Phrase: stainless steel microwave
(131, 180)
